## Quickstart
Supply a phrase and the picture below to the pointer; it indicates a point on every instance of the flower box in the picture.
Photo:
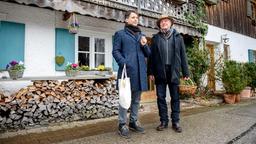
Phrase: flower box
(95, 72)
(15, 69)
(71, 73)
(15, 74)
(89, 72)
(72, 69)
(104, 73)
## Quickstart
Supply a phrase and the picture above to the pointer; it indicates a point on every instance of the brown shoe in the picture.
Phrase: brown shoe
(162, 126)
(176, 127)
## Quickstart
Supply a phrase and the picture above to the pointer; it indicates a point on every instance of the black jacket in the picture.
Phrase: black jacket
(157, 66)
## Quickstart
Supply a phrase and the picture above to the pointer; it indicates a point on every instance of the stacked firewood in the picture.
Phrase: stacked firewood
(50, 101)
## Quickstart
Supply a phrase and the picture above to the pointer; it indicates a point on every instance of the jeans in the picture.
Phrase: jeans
(135, 103)
(161, 100)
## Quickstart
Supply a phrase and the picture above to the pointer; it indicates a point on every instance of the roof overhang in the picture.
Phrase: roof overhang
(107, 10)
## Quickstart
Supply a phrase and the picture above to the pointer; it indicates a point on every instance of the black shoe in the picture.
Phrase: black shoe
(123, 131)
(134, 126)
(162, 126)
(176, 127)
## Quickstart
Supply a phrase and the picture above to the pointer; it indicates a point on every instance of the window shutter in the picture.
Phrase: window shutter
(249, 8)
(64, 46)
(251, 55)
(12, 42)
(114, 63)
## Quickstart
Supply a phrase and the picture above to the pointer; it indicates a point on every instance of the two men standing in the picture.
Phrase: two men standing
(167, 55)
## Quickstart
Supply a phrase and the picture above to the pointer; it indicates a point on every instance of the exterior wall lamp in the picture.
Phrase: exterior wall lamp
(224, 38)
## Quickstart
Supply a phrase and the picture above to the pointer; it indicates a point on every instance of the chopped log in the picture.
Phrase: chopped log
(48, 101)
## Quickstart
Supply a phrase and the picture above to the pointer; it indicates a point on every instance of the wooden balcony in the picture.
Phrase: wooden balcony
(149, 10)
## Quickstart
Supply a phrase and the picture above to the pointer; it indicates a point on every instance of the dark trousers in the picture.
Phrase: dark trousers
(161, 99)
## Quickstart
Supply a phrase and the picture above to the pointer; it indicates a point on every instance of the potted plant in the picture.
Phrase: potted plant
(73, 24)
(233, 80)
(15, 69)
(72, 69)
(249, 70)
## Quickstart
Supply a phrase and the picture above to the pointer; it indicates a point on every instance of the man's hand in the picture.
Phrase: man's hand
(151, 77)
(143, 40)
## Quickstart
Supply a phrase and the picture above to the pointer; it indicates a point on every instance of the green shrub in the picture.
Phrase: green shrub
(198, 61)
(233, 77)
(250, 73)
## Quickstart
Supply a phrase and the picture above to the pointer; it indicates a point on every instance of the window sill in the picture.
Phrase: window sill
(80, 77)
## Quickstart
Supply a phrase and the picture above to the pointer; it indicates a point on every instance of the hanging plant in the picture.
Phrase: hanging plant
(73, 24)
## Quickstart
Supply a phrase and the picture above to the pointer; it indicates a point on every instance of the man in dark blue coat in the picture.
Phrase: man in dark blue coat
(130, 48)
(168, 57)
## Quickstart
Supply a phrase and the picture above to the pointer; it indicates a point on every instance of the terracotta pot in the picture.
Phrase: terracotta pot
(246, 93)
(229, 98)
(238, 98)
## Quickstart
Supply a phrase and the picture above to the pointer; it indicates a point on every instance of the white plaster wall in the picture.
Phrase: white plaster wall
(39, 36)
(40, 27)
(239, 44)
(39, 41)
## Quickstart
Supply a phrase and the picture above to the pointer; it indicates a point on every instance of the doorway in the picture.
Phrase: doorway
(211, 72)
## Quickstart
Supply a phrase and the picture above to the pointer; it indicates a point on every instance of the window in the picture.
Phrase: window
(252, 55)
(94, 51)
(84, 51)
(251, 9)
(99, 51)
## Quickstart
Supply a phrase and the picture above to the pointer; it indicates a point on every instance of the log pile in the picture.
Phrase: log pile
(47, 102)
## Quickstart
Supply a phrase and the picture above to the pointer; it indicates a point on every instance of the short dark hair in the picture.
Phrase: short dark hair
(128, 13)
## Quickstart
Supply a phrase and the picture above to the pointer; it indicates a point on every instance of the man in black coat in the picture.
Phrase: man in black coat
(168, 56)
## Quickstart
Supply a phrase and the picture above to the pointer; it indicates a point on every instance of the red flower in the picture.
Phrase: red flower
(74, 65)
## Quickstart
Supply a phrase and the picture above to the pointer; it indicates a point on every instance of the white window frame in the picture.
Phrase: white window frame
(92, 35)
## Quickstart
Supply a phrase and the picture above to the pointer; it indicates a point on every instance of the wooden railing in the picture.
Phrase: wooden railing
(149, 7)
